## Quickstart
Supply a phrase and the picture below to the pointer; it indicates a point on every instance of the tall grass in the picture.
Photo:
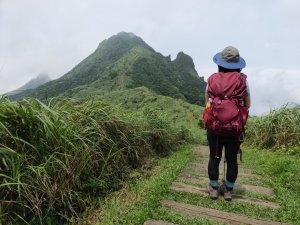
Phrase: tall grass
(279, 129)
(55, 157)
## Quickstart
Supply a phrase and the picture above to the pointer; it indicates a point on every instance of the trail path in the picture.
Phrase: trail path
(194, 180)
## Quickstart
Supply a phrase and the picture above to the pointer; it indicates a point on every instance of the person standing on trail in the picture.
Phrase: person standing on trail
(227, 98)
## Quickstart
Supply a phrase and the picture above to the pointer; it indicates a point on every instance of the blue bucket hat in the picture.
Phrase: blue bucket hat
(229, 58)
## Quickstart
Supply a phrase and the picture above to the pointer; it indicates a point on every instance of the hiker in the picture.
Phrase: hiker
(227, 99)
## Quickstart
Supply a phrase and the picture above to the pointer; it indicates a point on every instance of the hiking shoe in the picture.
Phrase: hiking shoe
(227, 195)
(225, 192)
(213, 193)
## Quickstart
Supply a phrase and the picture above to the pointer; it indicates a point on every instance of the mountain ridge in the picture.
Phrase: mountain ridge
(125, 61)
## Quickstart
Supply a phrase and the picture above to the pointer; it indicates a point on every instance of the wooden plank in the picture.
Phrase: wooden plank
(239, 198)
(255, 189)
(237, 187)
(202, 168)
(158, 222)
(196, 180)
(203, 165)
(253, 180)
(213, 214)
(203, 172)
(203, 150)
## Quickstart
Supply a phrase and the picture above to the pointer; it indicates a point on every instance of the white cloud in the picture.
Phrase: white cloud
(53, 36)
(270, 88)
(273, 88)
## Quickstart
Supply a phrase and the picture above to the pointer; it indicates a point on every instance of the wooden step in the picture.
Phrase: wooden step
(239, 198)
(237, 187)
(203, 169)
(158, 222)
(213, 214)
(203, 150)
(194, 166)
(201, 173)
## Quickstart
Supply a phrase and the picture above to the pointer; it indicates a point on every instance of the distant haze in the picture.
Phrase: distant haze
(273, 88)
(35, 82)
(53, 36)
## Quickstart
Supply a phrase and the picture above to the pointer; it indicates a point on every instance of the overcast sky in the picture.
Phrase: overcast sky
(53, 36)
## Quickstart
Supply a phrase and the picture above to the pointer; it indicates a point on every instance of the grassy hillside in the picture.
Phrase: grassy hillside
(181, 114)
(60, 154)
(58, 157)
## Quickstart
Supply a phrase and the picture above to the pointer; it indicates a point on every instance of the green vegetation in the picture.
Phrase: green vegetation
(140, 200)
(278, 130)
(56, 158)
(280, 172)
(182, 115)
(118, 112)
(125, 61)
(64, 158)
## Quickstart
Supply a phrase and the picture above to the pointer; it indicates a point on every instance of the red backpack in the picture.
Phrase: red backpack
(225, 114)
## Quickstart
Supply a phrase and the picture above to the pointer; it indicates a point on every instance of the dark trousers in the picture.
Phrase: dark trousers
(216, 144)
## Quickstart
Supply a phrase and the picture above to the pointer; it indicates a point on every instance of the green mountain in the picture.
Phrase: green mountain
(32, 84)
(125, 61)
